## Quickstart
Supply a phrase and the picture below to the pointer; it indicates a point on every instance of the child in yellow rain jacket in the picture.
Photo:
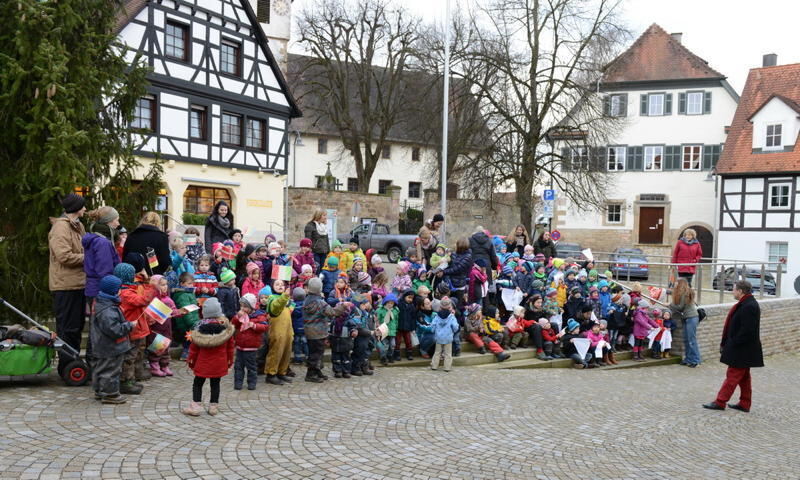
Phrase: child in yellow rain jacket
(281, 335)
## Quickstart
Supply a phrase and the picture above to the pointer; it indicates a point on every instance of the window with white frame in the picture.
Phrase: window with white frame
(692, 158)
(617, 109)
(694, 103)
(616, 159)
(614, 213)
(777, 252)
(773, 139)
(652, 158)
(779, 195)
(655, 104)
(579, 157)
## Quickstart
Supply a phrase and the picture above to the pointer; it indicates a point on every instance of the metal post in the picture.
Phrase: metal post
(699, 282)
(721, 284)
(778, 273)
(763, 279)
(445, 114)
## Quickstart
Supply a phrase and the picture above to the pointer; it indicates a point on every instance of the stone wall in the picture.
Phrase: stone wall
(302, 202)
(463, 215)
(780, 328)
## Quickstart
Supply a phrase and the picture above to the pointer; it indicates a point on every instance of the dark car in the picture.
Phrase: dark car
(629, 263)
(753, 276)
(574, 250)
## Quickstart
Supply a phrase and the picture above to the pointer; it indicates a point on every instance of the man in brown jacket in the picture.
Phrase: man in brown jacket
(66, 276)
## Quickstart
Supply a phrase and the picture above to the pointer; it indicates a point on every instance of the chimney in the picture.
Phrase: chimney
(770, 60)
(677, 36)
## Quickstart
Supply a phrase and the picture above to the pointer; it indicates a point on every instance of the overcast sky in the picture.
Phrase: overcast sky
(731, 35)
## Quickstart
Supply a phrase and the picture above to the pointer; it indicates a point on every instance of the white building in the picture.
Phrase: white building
(675, 109)
(759, 193)
(217, 109)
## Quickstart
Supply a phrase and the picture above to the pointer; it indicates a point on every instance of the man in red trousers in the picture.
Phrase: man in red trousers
(740, 349)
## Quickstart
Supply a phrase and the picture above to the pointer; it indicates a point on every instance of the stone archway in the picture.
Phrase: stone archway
(705, 237)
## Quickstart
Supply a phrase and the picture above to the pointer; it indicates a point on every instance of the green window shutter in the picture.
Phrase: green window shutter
(607, 105)
(643, 105)
(708, 157)
(624, 105)
(706, 102)
(668, 104)
(672, 157)
(682, 103)
(716, 152)
(566, 160)
(636, 158)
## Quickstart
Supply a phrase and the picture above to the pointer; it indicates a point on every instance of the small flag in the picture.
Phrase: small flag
(160, 344)
(228, 253)
(190, 239)
(158, 311)
(282, 272)
(151, 258)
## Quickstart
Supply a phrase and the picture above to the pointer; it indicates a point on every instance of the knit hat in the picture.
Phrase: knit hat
(274, 248)
(336, 243)
(364, 278)
(390, 298)
(265, 291)
(110, 285)
(298, 294)
(551, 292)
(332, 262)
(248, 300)
(125, 272)
(445, 304)
(557, 262)
(438, 218)
(136, 260)
(539, 257)
(656, 312)
(593, 289)
(515, 255)
(226, 275)
(490, 311)
(436, 305)
(212, 308)
(442, 246)
(315, 286)
(586, 308)
(443, 289)
(571, 272)
(72, 203)
(227, 251)
(360, 298)
(376, 260)
(472, 309)
(602, 283)
(643, 304)
(110, 215)
(343, 276)
(402, 267)
(543, 322)
(354, 240)
(269, 238)
(608, 274)
(537, 284)
(507, 270)
(572, 325)
(593, 273)
(582, 274)
(306, 269)
(574, 290)
(216, 246)
(250, 267)
(305, 242)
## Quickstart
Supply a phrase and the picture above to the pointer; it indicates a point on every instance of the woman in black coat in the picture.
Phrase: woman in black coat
(219, 225)
(146, 236)
(740, 349)
(316, 231)
(460, 265)
(545, 246)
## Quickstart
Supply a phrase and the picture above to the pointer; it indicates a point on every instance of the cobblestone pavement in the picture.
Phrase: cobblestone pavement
(415, 424)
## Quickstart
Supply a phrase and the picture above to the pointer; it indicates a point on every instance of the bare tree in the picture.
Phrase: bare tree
(360, 51)
(534, 64)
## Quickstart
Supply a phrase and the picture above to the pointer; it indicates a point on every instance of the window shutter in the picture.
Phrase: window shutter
(672, 157)
(623, 111)
(636, 158)
(706, 102)
(566, 160)
(668, 104)
(598, 160)
(643, 105)
(682, 103)
(262, 11)
(708, 157)
(607, 105)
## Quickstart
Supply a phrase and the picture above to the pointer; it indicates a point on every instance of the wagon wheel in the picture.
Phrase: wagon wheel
(76, 373)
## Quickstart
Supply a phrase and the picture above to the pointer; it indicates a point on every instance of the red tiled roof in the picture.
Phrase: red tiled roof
(127, 12)
(654, 56)
(762, 84)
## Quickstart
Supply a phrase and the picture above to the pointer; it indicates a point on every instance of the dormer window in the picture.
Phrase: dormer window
(773, 140)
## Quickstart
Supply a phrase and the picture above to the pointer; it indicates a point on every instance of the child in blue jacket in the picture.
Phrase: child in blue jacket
(299, 344)
(444, 328)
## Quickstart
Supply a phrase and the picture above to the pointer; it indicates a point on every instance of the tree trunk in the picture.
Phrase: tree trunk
(524, 191)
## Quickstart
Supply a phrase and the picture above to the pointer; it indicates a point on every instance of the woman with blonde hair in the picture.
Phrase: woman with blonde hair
(426, 244)
(687, 251)
(149, 236)
(517, 239)
(684, 310)
(316, 230)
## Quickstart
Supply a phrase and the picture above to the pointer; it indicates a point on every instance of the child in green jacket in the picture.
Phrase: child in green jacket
(387, 315)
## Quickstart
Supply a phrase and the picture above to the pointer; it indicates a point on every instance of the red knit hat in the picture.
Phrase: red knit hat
(306, 242)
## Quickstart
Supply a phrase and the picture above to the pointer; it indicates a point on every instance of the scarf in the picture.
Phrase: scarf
(103, 229)
(322, 229)
(224, 222)
(728, 318)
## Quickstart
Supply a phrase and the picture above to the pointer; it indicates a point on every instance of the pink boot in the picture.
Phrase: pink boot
(156, 371)
(166, 370)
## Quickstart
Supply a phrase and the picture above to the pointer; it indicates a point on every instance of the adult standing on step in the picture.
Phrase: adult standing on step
(66, 277)
(687, 250)
(219, 225)
(740, 349)
(684, 310)
(316, 230)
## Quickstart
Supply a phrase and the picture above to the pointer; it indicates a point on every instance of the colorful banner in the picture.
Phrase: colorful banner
(158, 311)
(160, 344)
(282, 272)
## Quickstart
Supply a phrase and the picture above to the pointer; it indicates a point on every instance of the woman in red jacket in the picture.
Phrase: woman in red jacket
(210, 355)
(687, 250)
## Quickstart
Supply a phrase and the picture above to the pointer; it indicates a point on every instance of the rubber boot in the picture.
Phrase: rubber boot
(155, 370)
(409, 355)
(604, 361)
(366, 371)
(396, 356)
(611, 358)
(193, 410)
(213, 409)
(166, 370)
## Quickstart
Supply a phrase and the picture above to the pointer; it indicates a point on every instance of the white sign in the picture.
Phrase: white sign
(547, 208)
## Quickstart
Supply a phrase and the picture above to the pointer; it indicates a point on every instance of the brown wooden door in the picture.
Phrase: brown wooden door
(651, 224)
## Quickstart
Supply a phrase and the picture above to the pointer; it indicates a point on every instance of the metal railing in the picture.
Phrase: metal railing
(712, 275)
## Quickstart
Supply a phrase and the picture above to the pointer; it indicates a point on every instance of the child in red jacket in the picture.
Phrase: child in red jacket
(251, 324)
(550, 341)
(135, 295)
(210, 356)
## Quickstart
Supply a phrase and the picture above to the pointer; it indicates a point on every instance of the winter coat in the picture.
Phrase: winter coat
(642, 323)
(458, 269)
(549, 335)
(336, 296)
(180, 264)
(741, 344)
(482, 247)
(249, 286)
(250, 330)
(567, 347)
(207, 281)
(99, 259)
(444, 328)
(523, 281)
(473, 324)
(297, 319)
(194, 252)
(317, 314)
(301, 259)
(515, 325)
(476, 281)
(328, 278)
(408, 314)
(595, 338)
(134, 300)
(148, 236)
(373, 271)
(109, 329)
(401, 283)
(212, 349)
(687, 252)
(605, 303)
(319, 243)
(572, 309)
(215, 232)
(617, 316)
(492, 326)
(66, 255)
(229, 300)
(183, 297)
(383, 316)
(545, 247)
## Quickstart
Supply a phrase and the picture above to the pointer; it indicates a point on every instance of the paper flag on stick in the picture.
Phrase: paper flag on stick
(282, 272)
(160, 344)
(587, 252)
(511, 298)
(190, 239)
(152, 260)
(158, 311)
(582, 346)
(652, 336)
(191, 308)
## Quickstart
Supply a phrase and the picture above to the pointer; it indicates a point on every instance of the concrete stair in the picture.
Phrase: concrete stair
(625, 360)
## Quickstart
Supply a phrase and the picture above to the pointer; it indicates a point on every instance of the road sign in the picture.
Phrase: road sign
(555, 235)
(549, 195)
(547, 208)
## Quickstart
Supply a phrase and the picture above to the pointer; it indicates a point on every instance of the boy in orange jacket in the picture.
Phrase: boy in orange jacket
(135, 295)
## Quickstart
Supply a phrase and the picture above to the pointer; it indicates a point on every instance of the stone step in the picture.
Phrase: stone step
(651, 362)
(625, 360)
(468, 358)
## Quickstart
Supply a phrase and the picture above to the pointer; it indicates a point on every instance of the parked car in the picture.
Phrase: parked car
(628, 263)
(752, 276)
(379, 237)
(574, 250)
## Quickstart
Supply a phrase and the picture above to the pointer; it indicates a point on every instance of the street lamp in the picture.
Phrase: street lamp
(445, 113)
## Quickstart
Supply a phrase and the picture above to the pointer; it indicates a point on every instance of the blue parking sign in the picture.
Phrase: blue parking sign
(549, 194)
